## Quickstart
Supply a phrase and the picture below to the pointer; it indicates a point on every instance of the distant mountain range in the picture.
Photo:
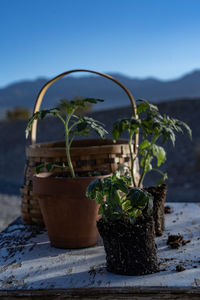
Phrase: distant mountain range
(24, 93)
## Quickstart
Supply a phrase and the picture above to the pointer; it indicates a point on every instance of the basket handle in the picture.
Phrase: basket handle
(49, 83)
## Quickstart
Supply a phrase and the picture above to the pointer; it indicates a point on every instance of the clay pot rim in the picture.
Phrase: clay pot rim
(51, 176)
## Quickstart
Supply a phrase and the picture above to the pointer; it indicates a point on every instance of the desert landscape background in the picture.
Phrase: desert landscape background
(182, 166)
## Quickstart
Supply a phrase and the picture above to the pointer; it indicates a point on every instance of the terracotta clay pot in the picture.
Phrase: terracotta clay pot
(69, 216)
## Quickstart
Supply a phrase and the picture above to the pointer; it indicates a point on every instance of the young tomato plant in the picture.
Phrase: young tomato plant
(117, 201)
(152, 126)
(74, 124)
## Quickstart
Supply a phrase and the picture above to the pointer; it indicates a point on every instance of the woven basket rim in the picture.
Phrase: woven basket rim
(78, 143)
(91, 146)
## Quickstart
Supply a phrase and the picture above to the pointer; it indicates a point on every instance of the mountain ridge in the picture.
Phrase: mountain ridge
(24, 93)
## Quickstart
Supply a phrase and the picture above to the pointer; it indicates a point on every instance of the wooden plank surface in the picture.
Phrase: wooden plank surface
(106, 293)
(29, 266)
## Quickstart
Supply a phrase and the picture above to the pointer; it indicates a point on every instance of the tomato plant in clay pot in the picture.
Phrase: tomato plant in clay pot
(69, 216)
(155, 130)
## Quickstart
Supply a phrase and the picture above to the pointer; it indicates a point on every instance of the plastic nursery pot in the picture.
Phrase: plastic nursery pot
(159, 194)
(130, 249)
(69, 216)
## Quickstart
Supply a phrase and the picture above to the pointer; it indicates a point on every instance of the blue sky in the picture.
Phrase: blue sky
(139, 38)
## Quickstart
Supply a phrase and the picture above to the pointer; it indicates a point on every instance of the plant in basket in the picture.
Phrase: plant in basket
(155, 129)
(86, 154)
(70, 217)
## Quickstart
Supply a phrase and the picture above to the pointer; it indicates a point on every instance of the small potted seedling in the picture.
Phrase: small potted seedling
(154, 128)
(126, 225)
(69, 216)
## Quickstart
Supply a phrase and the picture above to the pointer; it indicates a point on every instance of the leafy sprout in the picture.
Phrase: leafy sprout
(74, 124)
(152, 126)
(81, 110)
(131, 125)
(117, 201)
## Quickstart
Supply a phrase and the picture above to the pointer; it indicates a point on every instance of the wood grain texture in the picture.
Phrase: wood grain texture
(153, 293)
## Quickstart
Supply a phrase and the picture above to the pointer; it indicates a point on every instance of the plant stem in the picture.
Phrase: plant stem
(67, 142)
(157, 170)
(145, 160)
(132, 159)
(143, 171)
(71, 169)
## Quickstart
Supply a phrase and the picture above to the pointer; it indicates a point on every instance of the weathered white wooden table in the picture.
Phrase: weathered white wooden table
(30, 267)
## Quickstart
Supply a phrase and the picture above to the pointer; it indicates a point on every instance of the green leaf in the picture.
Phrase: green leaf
(120, 184)
(145, 105)
(167, 133)
(93, 187)
(134, 124)
(162, 179)
(143, 159)
(160, 154)
(138, 197)
(141, 108)
(39, 168)
(39, 115)
(144, 144)
(97, 126)
(30, 123)
(115, 133)
(99, 197)
(184, 125)
(81, 126)
(131, 125)
(50, 167)
(127, 179)
(127, 205)
(117, 130)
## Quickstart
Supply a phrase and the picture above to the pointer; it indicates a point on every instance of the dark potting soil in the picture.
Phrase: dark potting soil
(159, 194)
(174, 241)
(180, 268)
(130, 249)
(167, 209)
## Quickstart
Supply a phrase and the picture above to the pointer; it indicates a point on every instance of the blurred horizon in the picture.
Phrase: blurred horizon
(80, 75)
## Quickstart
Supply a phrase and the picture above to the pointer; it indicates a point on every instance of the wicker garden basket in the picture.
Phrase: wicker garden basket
(87, 155)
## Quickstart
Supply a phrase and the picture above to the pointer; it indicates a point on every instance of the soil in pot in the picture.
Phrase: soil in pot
(69, 216)
(130, 249)
(159, 194)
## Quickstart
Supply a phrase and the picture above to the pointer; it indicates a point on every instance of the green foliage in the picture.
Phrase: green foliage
(131, 125)
(87, 123)
(39, 115)
(49, 167)
(119, 201)
(152, 126)
(84, 105)
(156, 125)
(18, 113)
(74, 124)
